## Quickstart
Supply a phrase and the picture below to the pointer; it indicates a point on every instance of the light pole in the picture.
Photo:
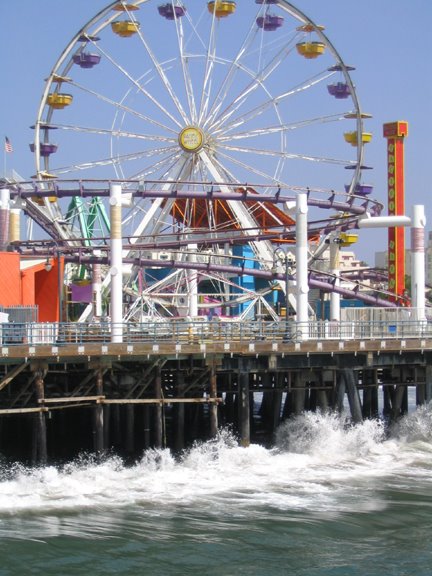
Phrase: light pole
(286, 258)
(288, 273)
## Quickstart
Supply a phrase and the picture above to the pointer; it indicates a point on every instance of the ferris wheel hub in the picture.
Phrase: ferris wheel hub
(191, 139)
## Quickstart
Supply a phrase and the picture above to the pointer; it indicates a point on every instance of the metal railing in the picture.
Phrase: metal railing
(58, 334)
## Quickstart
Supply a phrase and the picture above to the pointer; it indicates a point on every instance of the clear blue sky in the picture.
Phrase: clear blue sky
(386, 40)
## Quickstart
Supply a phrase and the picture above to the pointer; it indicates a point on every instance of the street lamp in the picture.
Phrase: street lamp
(287, 259)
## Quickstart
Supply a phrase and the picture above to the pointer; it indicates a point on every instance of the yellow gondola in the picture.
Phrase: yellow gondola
(347, 238)
(125, 7)
(310, 49)
(39, 200)
(58, 100)
(351, 138)
(221, 8)
(309, 27)
(125, 28)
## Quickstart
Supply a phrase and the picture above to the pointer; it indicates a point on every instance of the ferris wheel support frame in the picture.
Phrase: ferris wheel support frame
(116, 270)
(302, 285)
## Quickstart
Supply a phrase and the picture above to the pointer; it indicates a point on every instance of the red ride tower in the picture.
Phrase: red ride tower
(395, 133)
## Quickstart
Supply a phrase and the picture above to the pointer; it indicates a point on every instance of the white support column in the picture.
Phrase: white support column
(97, 287)
(193, 283)
(335, 272)
(15, 225)
(116, 270)
(302, 286)
(4, 218)
(418, 296)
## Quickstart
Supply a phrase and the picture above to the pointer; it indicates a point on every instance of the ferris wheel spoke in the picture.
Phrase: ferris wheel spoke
(122, 107)
(282, 128)
(155, 167)
(185, 70)
(271, 102)
(285, 155)
(209, 65)
(116, 133)
(165, 81)
(111, 161)
(177, 173)
(244, 165)
(140, 87)
(258, 80)
(230, 76)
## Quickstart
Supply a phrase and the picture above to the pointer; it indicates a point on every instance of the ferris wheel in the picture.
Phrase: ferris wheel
(196, 95)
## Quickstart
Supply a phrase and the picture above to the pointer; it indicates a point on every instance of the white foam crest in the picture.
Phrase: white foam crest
(318, 463)
(416, 426)
(328, 437)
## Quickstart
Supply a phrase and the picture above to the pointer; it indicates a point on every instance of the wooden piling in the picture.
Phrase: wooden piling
(370, 394)
(40, 452)
(130, 428)
(244, 408)
(146, 425)
(99, 416)
(277, 402)
(158, 414)
(299, 393)
(353, 395)
(179, 412)
(213, 407)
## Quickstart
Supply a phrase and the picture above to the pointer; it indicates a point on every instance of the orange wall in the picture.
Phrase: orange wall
(47, 293)
(30, 287)
(10, 279)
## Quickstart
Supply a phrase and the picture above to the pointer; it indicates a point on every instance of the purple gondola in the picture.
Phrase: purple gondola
(171, 12)
(339, 90)
(88, 38)
(270, 22)
(340, 68)
(86, 59)
(45, 149)
(360, 189)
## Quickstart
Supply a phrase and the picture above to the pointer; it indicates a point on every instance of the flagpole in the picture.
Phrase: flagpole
(7, 149)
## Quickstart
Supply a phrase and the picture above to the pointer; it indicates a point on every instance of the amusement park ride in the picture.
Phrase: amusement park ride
(196, 159)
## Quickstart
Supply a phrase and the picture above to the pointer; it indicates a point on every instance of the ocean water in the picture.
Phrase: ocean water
(328, 499)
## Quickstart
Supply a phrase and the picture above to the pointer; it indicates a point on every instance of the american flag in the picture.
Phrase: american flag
(8, 146)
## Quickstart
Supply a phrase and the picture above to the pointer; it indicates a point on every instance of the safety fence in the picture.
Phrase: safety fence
(57, 334)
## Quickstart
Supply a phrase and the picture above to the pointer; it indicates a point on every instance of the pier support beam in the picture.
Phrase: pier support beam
(353, 395)
(40, 449)
(298, 394)
(213, 407)
(244, 408)
(179, 439)
(424, 391)
(130, 428)
(158, 413)
(370, 394)
(146, 426)
(277, 401)
(99, 416)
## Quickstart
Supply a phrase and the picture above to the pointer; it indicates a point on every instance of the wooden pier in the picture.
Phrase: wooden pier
(59, 400)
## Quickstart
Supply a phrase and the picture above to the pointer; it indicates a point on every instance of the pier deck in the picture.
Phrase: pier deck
(64, 391)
